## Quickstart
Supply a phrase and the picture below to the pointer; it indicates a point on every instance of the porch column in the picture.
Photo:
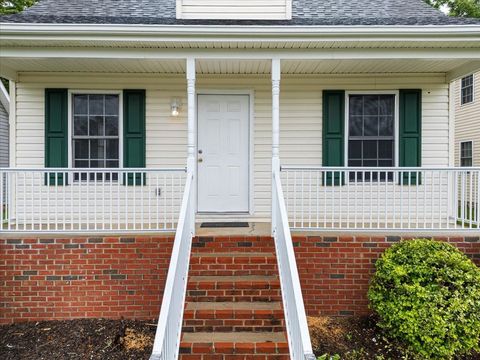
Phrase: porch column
(191, 157)
(275, 132)
(191, 114)
(276, 74)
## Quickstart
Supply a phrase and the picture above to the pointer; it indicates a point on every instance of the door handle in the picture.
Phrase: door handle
(200, 160)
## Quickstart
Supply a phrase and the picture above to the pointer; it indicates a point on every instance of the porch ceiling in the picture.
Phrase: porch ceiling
(235, 67)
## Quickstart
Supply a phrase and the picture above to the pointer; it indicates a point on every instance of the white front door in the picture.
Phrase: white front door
(223, 153)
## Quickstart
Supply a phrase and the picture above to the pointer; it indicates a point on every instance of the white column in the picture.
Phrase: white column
(191, 116)
(276, 74)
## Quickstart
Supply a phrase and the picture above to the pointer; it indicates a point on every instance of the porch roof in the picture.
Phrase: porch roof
(304, 12)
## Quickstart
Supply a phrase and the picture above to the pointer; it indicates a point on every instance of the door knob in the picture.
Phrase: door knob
(200, 151)
(200, 160)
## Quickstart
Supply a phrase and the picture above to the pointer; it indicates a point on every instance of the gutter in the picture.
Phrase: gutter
(25, 31)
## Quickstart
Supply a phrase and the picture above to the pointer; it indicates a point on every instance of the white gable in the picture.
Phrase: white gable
(235, 9)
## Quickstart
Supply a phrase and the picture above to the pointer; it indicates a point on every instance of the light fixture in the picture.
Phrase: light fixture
(175, 106)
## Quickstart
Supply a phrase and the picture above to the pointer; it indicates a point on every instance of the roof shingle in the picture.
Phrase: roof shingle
(304, 12)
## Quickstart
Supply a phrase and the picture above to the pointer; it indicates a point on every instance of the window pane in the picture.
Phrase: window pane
(111, 125)
(356, 105)
(112, 164)
(112, 149)
(354, 149)
(111, 105)
(81, 164)
(80, 125)
(96, 105)
(97, 163)
(370, 149)
(80, 149)
(96, 126)
(385, 149)
(370, 105)
(386, 105)
(80, 104)
(370, 125)
(97, 149)
(386, 126)
(356, 125)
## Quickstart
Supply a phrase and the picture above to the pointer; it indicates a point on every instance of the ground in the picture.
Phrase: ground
(350, 338)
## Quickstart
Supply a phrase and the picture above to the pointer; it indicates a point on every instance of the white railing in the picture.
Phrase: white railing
(379, 199)
(93, 200)
(295, 317)
(169, 328)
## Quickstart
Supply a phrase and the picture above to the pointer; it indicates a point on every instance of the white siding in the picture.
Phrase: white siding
(301, 117)
(467, 121)
(3, 137)
(233, 9)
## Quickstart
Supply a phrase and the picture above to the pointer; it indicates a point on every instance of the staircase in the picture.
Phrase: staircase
(233, 304)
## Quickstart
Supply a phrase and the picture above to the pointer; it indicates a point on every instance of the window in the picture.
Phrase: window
(371, 134)
(467, 90)
(95, 132)
(466, 154)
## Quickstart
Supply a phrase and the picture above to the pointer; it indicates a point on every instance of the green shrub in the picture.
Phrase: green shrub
(427, 294)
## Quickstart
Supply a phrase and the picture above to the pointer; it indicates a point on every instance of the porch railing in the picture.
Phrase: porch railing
(167, 337)
(295, 316)
(379, 199)
(93, 200)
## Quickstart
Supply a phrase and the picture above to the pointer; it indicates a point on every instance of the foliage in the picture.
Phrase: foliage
(427, 294)
(14, 6)
(462, 8)
(329, 357)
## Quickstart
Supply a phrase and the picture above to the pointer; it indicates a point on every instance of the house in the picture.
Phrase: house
(329, 123)
(467, 120)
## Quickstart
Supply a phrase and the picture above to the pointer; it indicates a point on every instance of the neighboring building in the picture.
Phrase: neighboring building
(135, 118)
(467, 120)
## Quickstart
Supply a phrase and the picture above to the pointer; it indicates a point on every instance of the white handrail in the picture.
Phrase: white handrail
(169, 328)
(296, 320)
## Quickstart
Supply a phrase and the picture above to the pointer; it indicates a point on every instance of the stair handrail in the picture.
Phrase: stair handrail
(167, 337)
(299, 342)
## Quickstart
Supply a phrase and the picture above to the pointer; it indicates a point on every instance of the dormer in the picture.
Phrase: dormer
(234, 9)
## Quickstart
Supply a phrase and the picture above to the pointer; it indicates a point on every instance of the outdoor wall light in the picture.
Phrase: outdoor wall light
(175, 106)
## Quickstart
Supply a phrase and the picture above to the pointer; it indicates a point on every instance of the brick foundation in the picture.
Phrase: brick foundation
(108, 277)
(113, 277)
(335, 271)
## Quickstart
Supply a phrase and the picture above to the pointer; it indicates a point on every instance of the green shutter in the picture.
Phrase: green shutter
(333, 132)
(410, 134)
(134, 133)
(56, 133)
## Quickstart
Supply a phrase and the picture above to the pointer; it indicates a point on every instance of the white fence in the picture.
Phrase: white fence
(407, 199)
(167, 337)
(294, 309)
(93, 200)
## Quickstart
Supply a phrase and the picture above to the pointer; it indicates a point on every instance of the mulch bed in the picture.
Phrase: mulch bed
(77, 339)
(355, 338)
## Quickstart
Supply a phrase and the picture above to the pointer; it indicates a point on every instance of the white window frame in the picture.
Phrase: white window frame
(460, 153)
(473, 90)
(71, 93)
(396, 121)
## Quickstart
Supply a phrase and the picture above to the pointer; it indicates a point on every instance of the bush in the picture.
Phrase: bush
(427, 294)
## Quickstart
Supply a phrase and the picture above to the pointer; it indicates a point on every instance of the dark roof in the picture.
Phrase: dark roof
(304, 12)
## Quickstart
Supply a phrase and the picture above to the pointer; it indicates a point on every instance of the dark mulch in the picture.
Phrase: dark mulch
(355, 338)
(77, 339)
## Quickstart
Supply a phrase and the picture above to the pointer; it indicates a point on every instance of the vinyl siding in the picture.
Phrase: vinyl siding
(232, 9)
(3, 137)
(467, 121)
(300, 109)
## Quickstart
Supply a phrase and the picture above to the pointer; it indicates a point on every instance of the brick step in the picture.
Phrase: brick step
(244, 295)
(246, 282)
(230, 345)
(233, 264)
(236, 317)
(205, 244)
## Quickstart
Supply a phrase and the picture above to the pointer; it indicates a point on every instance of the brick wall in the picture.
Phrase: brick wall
(335, 271)
(108, 277)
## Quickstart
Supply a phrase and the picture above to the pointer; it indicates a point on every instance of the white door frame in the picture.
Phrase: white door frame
(251, 95)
